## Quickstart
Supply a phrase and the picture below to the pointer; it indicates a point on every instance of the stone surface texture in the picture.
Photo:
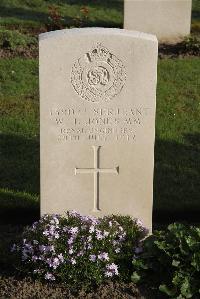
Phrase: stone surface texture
(169, 20)
(97, 121)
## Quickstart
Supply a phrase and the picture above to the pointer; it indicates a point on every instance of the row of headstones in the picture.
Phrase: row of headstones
(97, 117)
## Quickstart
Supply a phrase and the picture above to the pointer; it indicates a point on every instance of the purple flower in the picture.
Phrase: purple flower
(85, 218)
(44, 217)
(34, 258)
(73, 230)
(56, 262)
(117, 250)
(139, 223)
(51, 248)
(70, 241)
(61, 258)
(110, 223)
(115, 242)
(105, 233)
(113, 268)
(80, 253)
(142, 227)
(103, 256)
(73, 261)
(54, 219)
(91, 229)
(49, 276)
(122, 236)
(28, 247)
(42, 248)
(92, 257)
(56, 235)
(46, 248)
(53, 263)
(71, 251)
(51, 232)
(99, 235)
(89, 246)
(74, 213)
(109, 274)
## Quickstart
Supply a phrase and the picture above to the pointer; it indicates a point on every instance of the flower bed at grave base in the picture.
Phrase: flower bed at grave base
(80, 250)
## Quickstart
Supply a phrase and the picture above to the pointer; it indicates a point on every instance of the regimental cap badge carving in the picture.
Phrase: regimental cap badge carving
(98, 76)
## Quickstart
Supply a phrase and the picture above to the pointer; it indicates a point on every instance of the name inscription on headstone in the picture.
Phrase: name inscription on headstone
(103, 124)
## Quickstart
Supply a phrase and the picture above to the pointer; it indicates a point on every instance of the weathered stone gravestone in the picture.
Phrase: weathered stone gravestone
(169, 20)
(97, 101)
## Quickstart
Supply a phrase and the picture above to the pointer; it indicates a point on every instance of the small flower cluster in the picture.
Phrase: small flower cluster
(76, 247)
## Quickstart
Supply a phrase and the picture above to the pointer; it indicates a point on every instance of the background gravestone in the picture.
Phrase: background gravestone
(169, 20)
(97, 105)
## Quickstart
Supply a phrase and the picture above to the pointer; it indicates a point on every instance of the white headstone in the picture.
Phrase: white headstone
(169, 20)
(97, 103)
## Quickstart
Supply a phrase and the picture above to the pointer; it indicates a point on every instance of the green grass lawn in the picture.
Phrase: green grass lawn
(177, 160)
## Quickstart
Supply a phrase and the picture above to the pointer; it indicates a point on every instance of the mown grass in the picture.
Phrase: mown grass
(10, 39)
(177, 160)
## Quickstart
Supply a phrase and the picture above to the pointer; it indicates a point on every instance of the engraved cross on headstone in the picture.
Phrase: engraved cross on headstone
(96, 171)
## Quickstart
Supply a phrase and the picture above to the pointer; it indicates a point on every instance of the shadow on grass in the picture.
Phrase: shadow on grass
(29, 15)
(19, 177)
(23, 14)
(111, 4)
(195, 15)
(18, 208)
(177, 180)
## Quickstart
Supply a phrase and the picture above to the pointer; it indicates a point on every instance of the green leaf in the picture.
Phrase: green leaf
(175, 263)
(196, 261)
(170, 292)
(139, 264)
(185, 289)
(161, 245)
(135, 277)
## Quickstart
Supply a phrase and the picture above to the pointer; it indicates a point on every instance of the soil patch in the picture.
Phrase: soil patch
(179, 50)
(25, 52)
(165, 51)
(186, 48)
(27, 289)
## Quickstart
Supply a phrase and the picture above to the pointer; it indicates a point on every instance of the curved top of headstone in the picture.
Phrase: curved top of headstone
(98, 30)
